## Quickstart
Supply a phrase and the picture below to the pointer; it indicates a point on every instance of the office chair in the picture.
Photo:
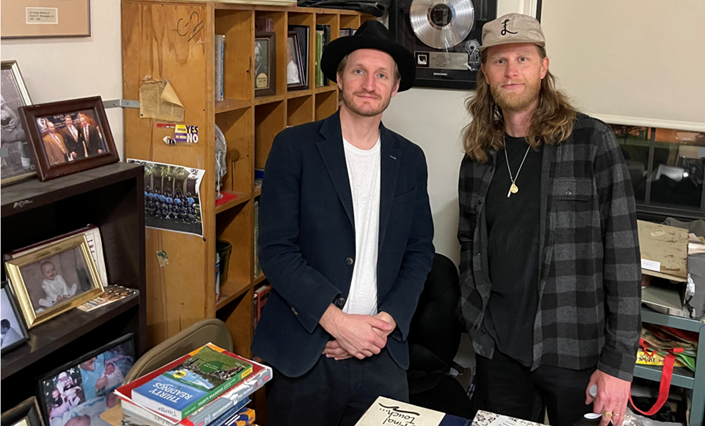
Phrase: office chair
(191, 338)
(434, 338)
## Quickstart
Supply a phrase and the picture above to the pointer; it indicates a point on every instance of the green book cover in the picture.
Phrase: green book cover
(319, 54)
(192, 384)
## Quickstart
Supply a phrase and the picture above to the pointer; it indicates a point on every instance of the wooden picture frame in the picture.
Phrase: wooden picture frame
(18, 165)
(81, 381)
(54, 279)
(25, 413)
(45, 18)
(265, 68)
(302, 32)
(58, 151)
(295, 70)
(14, 332)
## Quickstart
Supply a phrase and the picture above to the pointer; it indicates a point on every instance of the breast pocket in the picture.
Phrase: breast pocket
(404, 198)
(573, 189)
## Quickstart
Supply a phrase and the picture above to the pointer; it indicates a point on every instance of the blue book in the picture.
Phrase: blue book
(184, 389)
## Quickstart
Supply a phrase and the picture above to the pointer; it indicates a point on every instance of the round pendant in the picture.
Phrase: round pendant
(514, 189)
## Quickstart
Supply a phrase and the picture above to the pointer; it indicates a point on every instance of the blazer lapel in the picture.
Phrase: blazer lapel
(333, 155)
(391, 158)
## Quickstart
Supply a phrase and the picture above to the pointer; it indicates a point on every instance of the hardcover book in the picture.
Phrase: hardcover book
(261, 374)
(193, 383)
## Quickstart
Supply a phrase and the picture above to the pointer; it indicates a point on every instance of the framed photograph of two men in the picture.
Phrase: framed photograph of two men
(45, 18)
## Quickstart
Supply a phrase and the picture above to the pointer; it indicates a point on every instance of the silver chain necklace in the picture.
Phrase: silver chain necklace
(513, 189)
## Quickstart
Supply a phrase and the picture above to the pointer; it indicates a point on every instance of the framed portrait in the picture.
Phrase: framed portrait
(69, 136)
(25, 414)
(54, 279)
(46, 18)
(294, 68)
(18, 165)
(14, 332)
(301, 39)
(80, 391)
(265, 65)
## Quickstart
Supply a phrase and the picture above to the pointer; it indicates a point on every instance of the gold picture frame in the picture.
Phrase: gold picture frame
(39, 284)
(45, 18)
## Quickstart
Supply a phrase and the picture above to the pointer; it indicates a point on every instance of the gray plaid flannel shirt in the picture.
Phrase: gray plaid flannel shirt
(589, 266)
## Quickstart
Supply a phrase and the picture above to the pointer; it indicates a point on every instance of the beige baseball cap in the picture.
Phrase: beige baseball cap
(512, 28)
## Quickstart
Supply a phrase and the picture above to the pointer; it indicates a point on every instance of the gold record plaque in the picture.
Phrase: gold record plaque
(444, 36)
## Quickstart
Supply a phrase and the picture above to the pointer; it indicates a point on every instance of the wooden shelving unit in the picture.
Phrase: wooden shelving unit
(112, 198)
(158, 44)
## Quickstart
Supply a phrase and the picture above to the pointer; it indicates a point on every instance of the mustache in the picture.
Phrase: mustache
(366, 93)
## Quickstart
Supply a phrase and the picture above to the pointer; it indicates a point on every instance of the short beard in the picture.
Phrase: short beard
(514, 102)
(350, 104)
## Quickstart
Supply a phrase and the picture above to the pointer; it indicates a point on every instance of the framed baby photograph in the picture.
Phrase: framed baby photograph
(54, 279)
(25, 413)
(14, 332)
(77, 393)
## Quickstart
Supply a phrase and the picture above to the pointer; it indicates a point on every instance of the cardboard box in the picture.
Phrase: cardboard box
(664, 251)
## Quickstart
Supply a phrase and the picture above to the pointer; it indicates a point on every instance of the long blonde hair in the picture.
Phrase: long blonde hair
(551, 122)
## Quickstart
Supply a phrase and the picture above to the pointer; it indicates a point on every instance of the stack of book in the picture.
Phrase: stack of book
(207, 387)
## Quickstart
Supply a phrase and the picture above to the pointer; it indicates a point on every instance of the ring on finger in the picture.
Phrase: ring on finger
(607, 414)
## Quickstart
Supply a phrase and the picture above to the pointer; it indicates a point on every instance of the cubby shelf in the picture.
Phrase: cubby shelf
(110, 197)
(241, 197)
(249, 124)
(231, 105)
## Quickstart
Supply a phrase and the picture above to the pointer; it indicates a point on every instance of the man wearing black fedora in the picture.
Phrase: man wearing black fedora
(345, 237)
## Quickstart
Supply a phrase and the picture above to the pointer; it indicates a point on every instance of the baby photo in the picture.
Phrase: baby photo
(56, 279)
(78, 394)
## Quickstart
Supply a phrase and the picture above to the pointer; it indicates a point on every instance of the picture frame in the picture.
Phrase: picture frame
(295, 69)
(54, 279)
(265, 68)
(69, 136)
(14, 332)
(26, 413)
(95, 242)
(84, 387)
(45, 18)
(18, 165)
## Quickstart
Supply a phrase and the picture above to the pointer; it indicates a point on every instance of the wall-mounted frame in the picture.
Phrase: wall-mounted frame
(455, 62)
(45, 18)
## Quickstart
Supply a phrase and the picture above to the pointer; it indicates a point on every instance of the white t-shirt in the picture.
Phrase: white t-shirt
(364, 172)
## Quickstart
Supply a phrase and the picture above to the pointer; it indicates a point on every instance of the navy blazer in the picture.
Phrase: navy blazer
(307, 241)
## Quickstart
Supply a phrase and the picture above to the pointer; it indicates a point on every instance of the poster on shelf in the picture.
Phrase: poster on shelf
(172, 197)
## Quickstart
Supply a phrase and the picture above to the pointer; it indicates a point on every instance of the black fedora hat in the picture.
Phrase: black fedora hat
(372, 34)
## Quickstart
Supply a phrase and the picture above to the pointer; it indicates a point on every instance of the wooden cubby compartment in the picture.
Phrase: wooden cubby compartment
(270, 119)
(299, 110)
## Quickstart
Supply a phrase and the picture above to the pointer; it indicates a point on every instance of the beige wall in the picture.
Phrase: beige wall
(433, 119)
(69, 68)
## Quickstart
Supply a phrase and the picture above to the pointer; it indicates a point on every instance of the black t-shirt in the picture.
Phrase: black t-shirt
(513, 251)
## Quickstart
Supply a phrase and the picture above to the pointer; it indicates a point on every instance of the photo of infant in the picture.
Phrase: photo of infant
(56, 279)
(78, 394)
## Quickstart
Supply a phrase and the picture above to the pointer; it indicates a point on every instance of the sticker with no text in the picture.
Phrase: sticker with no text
(651, 265)
(42, 15)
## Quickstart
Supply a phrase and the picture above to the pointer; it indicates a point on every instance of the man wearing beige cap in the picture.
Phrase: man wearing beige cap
(550, 270)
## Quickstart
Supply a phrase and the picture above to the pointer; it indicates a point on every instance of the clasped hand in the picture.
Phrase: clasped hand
(358, 336)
